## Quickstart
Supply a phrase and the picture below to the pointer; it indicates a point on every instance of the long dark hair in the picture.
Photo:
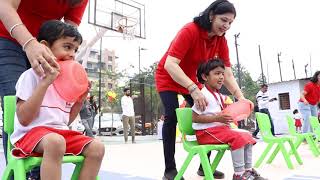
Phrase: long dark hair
(217, 7)
(314, 78)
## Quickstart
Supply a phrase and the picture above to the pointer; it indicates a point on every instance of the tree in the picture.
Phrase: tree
(248, 86)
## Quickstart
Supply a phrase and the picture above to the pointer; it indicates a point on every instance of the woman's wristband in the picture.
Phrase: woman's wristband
(27, 42)
(13, 27)
(192, 88)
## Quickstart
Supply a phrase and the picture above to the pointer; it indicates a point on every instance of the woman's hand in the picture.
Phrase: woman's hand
(199, 99)
(41, 58)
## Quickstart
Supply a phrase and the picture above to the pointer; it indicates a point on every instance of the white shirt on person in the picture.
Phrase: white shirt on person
(127, 106)
(54, 111)
(213, 107)
(263, 99)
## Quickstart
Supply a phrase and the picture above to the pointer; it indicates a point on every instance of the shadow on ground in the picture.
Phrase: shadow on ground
(67, 170)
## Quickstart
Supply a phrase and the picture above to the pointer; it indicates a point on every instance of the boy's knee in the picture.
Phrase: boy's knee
(55, 143)
(95, 150)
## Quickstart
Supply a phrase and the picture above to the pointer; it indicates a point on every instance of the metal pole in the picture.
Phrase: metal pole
(279, 54)
(139, 61)
(100, 64)
(294, 70)
(151, 110)
(263, 77)
(310, 66)
(305, 70)
(238, 64)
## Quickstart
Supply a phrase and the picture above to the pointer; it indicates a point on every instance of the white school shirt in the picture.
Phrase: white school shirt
(212, 108)
(127, 106)
(54, 111)
(297, 116)
(263, 100)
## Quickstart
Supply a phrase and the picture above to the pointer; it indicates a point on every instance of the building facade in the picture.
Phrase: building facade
(108, 67)
(287, 94)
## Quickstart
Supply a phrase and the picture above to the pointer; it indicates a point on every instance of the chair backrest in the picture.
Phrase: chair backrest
(264, 124)
(314, 122)
(9, 109)
(291, 125)
(184, 117)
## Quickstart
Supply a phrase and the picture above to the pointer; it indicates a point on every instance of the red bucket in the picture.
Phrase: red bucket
(72, 81)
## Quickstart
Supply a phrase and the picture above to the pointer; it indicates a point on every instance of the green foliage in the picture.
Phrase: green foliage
(248, 86)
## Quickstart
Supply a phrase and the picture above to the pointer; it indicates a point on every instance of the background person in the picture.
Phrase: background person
(94, 107)
(20, 23)
(128, 116)
(263, 100)
(197, 41)
(86, 117)
(308, 101)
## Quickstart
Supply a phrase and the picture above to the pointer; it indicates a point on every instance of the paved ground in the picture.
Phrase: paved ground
(144, 161)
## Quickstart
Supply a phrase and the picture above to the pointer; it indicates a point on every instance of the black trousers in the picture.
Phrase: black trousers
(265, 111)
(170, 103)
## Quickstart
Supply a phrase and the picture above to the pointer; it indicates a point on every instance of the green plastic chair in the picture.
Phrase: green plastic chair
(315, 125)
(267, 137)
(184, 117)
(299, 137)
(19, 167)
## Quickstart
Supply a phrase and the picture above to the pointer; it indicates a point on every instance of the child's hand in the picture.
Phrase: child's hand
(85, 94)
(224, 118)
(50, 76)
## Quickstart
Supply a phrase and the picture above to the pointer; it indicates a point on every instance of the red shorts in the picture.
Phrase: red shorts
(235, 138)
(75, 141)
(298, 123)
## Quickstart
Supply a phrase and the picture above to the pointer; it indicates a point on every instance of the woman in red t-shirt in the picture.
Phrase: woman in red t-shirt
(20, 21)
(309, 99)
(196, 42)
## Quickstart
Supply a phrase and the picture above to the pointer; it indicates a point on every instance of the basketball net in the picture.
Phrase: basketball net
(127, 26)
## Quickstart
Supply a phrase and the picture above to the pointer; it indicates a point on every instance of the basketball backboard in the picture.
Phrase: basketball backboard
(109, 13)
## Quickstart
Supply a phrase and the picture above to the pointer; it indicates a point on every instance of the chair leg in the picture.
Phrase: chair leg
(274, 154)
(312, 146)
(263, 155)
(76, 171)
(8, 172)
(297, 143)
(295, 152)
(217, 159)
(184, 166)
(286, 155)
(19, 172)
(206, 166)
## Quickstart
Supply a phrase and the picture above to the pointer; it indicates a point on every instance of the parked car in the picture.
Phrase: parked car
(107, 125)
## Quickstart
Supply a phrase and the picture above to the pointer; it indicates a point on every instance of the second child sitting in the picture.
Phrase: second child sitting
(213, 127)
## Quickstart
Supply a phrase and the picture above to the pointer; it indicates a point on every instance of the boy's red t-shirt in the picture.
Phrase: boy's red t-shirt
(35, 12)
(313, 93)
(192, 46)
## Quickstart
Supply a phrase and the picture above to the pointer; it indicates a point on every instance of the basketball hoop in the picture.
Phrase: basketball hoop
(127, 26)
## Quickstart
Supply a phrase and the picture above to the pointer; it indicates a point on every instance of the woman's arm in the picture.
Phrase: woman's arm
(231, 84)
(303, 97)
(177, 74)
(37, 53)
